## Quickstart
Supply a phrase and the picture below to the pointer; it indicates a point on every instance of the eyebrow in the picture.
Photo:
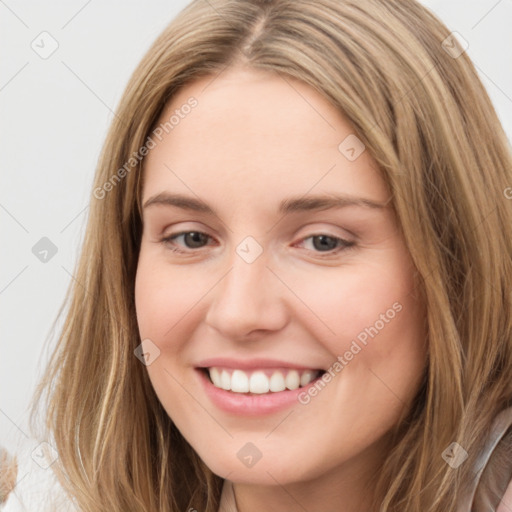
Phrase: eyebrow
(290, 205)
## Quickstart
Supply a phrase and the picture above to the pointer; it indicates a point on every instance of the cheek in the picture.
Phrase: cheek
(353, 302)
(163, 298)
(371, 317)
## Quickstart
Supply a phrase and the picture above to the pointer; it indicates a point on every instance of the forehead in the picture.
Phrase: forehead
(252, 135)
(247, 108)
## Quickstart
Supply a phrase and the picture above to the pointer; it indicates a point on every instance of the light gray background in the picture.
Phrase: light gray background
(54, 117)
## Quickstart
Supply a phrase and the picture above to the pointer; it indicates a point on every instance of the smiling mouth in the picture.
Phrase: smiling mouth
(260, 381)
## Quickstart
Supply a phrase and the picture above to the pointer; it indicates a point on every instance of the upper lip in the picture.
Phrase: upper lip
(249, 364)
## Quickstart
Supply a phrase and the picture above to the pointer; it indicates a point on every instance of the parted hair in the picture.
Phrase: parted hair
(414, 98)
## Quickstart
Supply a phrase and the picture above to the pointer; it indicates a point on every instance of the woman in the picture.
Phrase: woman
(264, 368)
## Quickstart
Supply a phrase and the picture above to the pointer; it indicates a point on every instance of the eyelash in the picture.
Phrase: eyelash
(345, 244)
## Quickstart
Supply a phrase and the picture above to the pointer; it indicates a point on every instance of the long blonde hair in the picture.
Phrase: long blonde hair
(420, 109)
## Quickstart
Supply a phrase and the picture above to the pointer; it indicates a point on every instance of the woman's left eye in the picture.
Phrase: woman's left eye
(333, 244)
(322, 243)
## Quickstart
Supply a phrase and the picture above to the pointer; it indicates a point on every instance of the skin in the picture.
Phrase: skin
(252, 141)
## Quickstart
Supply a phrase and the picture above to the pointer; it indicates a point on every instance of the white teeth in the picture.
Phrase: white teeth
(225, 380)
(307, 377)
(239, 382)
(292, 380)
(258, 381)
(215, 376)
(277, 382)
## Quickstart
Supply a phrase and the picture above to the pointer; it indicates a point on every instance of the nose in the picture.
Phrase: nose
(249, 298)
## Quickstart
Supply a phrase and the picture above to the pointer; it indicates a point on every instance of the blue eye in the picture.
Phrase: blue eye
(194, 240)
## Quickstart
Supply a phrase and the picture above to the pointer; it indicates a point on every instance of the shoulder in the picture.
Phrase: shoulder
(494, 491)
(506, 502)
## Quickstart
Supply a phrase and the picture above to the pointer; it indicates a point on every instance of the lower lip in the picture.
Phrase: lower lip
(251, 405)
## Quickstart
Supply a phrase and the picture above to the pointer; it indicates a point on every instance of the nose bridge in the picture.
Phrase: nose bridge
(249, 297)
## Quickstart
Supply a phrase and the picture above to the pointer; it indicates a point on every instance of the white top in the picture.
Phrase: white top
(227, 498)
(37, 488)
(499, 427)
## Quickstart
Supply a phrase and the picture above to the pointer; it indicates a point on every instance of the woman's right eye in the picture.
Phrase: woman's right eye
(196, 238)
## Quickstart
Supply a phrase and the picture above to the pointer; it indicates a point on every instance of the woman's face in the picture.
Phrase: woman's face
(281, 258)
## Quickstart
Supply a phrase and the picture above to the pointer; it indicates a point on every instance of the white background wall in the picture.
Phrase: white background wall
(54, 115)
